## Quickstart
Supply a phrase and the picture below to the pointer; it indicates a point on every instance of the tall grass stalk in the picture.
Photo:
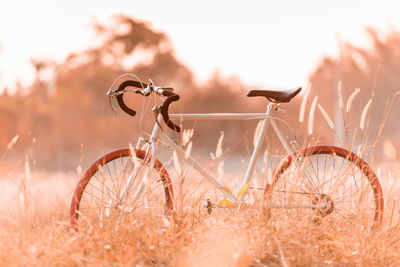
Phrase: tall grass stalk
(304, 103)
(340, 93)
(311, 116)
(10, 145)
(326, 116)
(364, 114)
(351, 98)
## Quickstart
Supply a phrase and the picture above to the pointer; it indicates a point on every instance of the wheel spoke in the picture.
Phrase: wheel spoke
(99, 193)
(339, 185)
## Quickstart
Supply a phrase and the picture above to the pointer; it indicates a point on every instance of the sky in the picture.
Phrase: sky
(266, 43)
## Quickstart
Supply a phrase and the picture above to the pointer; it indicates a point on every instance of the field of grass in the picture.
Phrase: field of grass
(35, 231)
(35, 227)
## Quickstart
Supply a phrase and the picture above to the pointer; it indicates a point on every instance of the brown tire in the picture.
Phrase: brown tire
(328, 183)
(96, 201)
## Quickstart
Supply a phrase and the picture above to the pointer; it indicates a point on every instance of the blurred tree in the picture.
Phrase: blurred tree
(66, 104)
(66, 111)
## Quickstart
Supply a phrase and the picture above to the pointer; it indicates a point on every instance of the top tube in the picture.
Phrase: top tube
(220, 116)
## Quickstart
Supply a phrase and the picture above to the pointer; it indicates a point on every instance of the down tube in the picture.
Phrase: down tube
(200, 169)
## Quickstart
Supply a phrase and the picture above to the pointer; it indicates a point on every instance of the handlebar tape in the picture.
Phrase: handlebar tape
(124, 107)
(120, 99)
(171, 97)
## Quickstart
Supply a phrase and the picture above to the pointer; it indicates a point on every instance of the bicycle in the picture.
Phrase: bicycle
(328, 183)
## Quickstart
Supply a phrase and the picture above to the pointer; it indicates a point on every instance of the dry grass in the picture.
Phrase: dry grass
(35, 228)
(36, 232)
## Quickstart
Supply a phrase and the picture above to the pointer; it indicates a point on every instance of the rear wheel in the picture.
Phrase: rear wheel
(329, 185)
(104, 197)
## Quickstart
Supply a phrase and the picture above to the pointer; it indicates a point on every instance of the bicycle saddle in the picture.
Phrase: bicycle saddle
(276, 96)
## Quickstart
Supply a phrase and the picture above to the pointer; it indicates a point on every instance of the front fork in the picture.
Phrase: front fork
(147, 162)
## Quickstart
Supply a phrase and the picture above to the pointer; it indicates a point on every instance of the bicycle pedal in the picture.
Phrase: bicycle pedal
(224, 203)
(208, 205)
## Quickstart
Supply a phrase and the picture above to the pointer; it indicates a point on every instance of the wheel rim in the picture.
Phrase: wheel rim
(338, 187)
(97, 199)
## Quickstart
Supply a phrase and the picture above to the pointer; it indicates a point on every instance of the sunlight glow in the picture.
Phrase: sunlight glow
(264, 43)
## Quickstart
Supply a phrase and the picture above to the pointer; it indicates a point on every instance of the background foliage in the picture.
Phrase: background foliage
(65, 113)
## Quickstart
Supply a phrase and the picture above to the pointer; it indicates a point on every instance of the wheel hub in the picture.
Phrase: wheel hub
(324, 205)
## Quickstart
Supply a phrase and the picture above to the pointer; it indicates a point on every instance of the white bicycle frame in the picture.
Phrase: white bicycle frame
(158, 135)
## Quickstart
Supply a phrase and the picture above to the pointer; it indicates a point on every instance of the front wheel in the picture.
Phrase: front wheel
(107, 195)
(329, 185)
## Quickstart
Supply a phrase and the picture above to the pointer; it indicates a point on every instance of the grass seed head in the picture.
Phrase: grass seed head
(311, 116)
(364, 114)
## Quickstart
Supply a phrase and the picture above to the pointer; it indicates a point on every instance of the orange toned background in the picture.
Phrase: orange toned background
(64, 115)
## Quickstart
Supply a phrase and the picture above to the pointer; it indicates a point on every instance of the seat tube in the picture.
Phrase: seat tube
(257, 148)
